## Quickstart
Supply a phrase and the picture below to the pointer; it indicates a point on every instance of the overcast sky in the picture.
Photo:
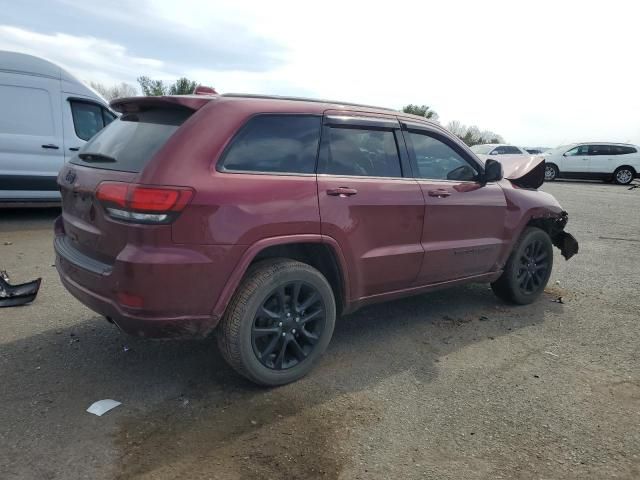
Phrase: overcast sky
(537, 72)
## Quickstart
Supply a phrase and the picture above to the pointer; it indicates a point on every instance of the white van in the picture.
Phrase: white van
(46, 115)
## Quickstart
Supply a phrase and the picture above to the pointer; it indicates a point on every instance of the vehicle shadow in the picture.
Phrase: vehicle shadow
(186, 412)
(27, 218)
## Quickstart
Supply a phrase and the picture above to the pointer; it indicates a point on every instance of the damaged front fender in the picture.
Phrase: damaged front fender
(554, 226)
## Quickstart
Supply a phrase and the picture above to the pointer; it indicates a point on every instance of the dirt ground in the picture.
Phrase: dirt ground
(448, 385)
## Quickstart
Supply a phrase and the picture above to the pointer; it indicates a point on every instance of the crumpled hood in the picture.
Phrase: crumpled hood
(523, 170)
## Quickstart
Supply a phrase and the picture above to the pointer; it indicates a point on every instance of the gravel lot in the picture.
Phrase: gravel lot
(449, 385)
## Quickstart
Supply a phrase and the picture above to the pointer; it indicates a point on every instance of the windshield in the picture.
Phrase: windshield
(482, 149)
(128, 143)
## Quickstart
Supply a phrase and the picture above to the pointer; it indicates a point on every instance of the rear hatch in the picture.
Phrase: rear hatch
(118, 153)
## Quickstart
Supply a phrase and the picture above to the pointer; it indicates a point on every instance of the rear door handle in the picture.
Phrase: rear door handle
(342, 192)
(51, 146)
(440, 193)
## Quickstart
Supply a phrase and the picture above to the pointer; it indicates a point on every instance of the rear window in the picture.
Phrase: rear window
(482, 149)
(129, 142)
(506, 150)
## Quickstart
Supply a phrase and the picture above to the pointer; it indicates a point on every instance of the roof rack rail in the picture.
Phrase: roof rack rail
(302, 99)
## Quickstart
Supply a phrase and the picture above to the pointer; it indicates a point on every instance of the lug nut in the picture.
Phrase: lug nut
(293, 331)
(284, 334)
(288, 314)
(280, 324)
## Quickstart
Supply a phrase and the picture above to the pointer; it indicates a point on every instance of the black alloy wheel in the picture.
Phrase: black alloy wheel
(534, 267)
(287, 326)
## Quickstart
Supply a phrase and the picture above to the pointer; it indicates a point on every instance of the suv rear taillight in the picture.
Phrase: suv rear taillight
(135, 203)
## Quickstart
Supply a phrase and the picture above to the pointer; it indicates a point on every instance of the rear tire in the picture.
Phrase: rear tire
(624, 175)
(551, 172)
(278, 323)
(528, 269)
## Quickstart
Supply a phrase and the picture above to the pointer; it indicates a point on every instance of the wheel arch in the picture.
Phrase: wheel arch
(631, 167)
(319, 251)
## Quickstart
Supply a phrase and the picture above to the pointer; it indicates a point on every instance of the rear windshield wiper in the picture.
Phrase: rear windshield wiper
(96, 157)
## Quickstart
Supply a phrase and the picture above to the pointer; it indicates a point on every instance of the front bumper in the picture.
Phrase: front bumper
(566, 242)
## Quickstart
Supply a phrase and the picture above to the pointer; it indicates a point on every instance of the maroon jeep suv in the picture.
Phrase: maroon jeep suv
(263, 218)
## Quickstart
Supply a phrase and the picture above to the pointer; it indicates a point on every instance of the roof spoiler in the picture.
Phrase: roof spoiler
(137, 104)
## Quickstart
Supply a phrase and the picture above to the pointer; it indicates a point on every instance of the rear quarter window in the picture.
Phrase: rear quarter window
(130, 141)
(275, 144)
(622, 150)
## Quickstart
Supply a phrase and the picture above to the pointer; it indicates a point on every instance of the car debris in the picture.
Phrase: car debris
(13, 295)
(101, 407)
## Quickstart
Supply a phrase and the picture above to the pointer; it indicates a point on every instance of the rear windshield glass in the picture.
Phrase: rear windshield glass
(129, 142)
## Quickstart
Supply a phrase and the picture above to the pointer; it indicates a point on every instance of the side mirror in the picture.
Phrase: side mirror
(492, 171)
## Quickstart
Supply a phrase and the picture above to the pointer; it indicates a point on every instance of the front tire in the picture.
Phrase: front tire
(624, 175)
(551, 172)
(278, 323)
(528, 269)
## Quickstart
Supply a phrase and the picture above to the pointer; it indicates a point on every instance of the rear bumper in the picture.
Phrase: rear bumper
(150, 290)
(136, 324)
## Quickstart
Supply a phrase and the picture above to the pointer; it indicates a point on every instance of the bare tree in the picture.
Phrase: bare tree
(115, 91)
(472, 135)
(154, 88)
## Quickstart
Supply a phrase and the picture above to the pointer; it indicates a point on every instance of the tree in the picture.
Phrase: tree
(472, 135)
(154, 88)
(115, 91)
(183, 86)
(421, 111)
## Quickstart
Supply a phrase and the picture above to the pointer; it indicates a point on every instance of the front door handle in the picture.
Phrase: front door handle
(342, 192)
(51, 146)
(440, 193)
(74, 149)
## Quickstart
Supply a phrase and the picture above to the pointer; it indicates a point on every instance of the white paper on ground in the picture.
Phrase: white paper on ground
(101, 407)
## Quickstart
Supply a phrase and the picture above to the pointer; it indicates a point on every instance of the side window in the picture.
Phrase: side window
(275, 144)
(438, 161)
(576, 151)
(362, 152)
(25, 111)
(498, 151)
(599, 150)
(107, 117)
(87, 119)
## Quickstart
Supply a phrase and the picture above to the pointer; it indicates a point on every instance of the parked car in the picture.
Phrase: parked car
(267, 217)
(498, 149)
(617, 162)
(46, 115)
